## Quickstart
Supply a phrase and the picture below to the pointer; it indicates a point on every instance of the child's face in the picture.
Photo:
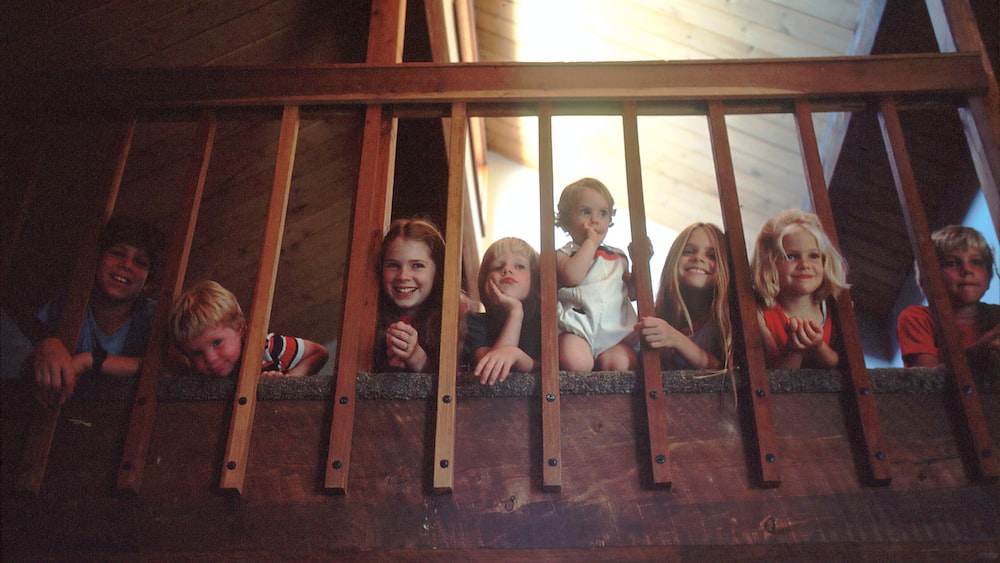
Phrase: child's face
(965, 276)
(590, 215)
(216, 351)
(512, 274)
(801, 271)
(698, 263)
(408, 274)
(122, 272)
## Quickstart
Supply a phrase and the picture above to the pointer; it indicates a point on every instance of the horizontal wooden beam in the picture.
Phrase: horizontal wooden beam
(688, 84)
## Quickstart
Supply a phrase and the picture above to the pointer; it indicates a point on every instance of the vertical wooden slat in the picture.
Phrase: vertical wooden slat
(30, 186)
(245, 401)
(444, 441)
(144, 404)
(937, 295)
(551, 424)
(652, 376)
(43, 425)
(371, 211)
(862, 393)
(956, 30)
(756, 371)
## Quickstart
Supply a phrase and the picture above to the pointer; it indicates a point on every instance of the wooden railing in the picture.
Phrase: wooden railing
(389, 91)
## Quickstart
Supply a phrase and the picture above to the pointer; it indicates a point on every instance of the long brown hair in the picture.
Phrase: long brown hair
(670, 303)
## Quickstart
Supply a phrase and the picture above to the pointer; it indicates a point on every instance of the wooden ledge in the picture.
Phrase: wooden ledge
(406, 386)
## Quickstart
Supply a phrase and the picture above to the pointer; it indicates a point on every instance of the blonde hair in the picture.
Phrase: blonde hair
(569, 194)
(956, 237)
(769, 250)
(670, 304)
(206, 305)
(516, 246)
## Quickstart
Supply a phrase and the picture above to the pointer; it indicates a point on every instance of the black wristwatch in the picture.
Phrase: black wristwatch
(99, 354)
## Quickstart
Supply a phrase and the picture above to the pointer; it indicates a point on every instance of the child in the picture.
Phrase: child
(692, 327)
(508, 282)
(411, 268)
(207, 325)
(596, 318)
(118, 319)
(966, 268)
(795, 269)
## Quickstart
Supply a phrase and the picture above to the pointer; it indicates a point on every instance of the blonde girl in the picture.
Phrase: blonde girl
(796, 269)
(692, 327)
(508, 284)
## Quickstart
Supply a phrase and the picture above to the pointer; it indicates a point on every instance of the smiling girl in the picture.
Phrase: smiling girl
(692, 328)
(796, 269)
(411, 271)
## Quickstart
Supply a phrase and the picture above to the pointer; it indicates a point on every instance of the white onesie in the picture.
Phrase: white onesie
(598, 309)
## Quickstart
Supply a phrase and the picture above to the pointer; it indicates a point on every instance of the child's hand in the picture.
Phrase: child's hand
(804, 334)
(594, 235)
(656, 333)
(273, 374)
(403, 347)
(496, 296)
(496, 364)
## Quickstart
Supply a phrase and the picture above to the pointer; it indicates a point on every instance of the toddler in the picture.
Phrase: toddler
(795, 269)
(967, 268)
(596, 318)
(207, 325)
(692, 327)
(508, 284)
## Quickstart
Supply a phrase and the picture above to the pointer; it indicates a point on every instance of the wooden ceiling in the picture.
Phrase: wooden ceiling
(677, 169)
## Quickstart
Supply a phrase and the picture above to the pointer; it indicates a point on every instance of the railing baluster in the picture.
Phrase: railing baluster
(144, 404)
(652, 375)
(756, 371)
(444, 441)
(371, 211)
(43, 424)
(549, 366)
(916, 222)
(245, 401)
(861, 386)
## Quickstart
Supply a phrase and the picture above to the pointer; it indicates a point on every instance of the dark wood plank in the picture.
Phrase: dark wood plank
(766, 443)
(748, 83)
(144, 405)
(641, 251)
(967, 396)
(245, 401)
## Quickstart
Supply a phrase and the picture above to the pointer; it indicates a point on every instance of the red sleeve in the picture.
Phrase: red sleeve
(915, 330)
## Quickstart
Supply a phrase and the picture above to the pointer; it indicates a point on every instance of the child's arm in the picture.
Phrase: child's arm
(314, 356)
(659, 335)
(495, 363)
(55, 370)
(572, 269)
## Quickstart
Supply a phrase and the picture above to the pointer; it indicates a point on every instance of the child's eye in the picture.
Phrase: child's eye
(216, 343)
(815, 255)
(979, 262)
(711, 256)
(521, 267)
(418, 266)
(949, 264)
(584, 212)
